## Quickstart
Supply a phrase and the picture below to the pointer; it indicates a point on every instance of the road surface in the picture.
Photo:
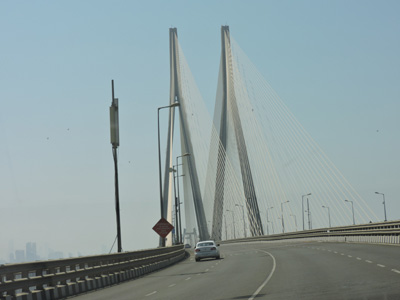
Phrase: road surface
(274, 270)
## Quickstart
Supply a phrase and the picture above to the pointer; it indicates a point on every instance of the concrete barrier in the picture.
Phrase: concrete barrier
(57, 279)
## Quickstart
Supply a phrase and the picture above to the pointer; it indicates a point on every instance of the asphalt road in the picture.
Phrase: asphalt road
(278, 270)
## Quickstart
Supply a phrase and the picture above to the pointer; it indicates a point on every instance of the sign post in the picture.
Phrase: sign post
(114, 134)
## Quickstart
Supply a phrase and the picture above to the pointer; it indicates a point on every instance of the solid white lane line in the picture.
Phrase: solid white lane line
(268, 278)
(151, 293)
(171, 285)
(396, 271)
(368, 261)
(382, 266)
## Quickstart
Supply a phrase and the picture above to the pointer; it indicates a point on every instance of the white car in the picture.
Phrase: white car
(206, 249)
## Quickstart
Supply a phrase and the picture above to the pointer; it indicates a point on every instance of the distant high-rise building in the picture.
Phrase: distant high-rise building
(56, 255)
(31, 251)
(19, 256)
(11, 251)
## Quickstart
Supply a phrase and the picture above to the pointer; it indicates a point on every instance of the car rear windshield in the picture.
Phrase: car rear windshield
(205, 244)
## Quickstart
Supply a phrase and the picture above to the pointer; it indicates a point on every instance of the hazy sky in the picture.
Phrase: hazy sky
(336, 64)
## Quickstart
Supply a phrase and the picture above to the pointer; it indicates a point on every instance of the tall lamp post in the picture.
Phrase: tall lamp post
(283, 223)
(233, 219)
(244, 223)
(268, 220)
(177, 225)
(302, 207)
(179, 201)
(295, 220)
(329, 214)
(162, 240)
(352, 209)
(114, 134)
(226, 229)
(384, 203)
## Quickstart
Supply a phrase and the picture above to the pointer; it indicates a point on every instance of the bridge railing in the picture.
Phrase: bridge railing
(384, 232)
(57, 279)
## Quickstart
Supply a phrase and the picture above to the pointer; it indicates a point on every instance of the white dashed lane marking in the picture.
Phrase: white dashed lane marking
(359, 258)
(188, 278)
(151, 293)
(171, 285)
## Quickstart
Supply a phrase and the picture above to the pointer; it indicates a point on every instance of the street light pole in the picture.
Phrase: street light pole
(384, 203)
(329, 214)
(295, 220)
(302, 207)
(244, 223)
(352, 209)
(226, 230)
(283, 223)
(162, 240)
(177, 226)
(233, 219)
(268, 219)
(179, 210)
(308, 214)
(179, 200)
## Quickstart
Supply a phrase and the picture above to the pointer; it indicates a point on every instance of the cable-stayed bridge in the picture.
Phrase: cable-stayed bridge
(252, 169)
(289, 224)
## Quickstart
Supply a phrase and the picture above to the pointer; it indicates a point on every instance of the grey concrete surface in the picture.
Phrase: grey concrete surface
(246, 271)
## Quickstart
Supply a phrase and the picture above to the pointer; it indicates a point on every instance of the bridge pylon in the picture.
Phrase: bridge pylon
(176, 95)
(229, 109)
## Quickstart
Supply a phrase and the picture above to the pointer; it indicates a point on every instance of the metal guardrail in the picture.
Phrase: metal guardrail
(383, 232)
(58, 279)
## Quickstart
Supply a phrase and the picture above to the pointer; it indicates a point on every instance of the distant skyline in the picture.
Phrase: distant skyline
(32, 252)
(334, 63)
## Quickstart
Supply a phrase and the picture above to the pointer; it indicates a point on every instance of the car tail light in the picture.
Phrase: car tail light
(213, 248)
(197, 250)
